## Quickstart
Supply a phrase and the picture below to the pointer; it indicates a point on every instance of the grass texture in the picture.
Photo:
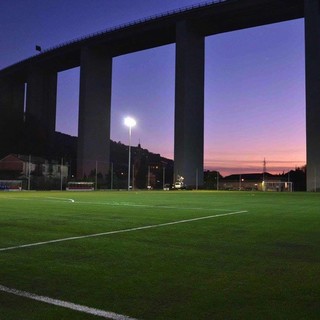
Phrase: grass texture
(262, 263)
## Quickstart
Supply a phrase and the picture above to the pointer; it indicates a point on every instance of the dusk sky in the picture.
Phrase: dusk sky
(254, 81)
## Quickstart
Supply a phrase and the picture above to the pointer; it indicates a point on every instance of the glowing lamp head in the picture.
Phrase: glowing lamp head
(129, 122)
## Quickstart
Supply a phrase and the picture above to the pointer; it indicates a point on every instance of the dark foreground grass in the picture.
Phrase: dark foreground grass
(260, 264)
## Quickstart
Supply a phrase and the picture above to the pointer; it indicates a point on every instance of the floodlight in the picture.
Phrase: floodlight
(130, 122)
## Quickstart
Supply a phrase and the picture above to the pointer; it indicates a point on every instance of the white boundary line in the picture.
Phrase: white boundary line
(65, 304)
(46, 199)
(122, 231)
(63, 199)
(115, 204)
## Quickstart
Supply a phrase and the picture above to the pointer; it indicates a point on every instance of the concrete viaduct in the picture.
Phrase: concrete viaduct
(186, 28)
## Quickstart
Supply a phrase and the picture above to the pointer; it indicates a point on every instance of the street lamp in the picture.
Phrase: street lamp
(129, 122)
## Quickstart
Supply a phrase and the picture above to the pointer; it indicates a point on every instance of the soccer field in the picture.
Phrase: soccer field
(159, 255)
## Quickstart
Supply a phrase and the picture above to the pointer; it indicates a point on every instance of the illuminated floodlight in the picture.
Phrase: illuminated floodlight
(129, 122)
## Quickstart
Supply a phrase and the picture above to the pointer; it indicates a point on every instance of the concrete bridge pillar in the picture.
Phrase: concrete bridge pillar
(11, 114)
(42, 99)
(189, 105)
(11, 98)
(312, 50)
(94, 112)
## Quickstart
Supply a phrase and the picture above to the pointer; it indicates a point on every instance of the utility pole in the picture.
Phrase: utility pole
(61, 176)
(29, 171)
(264, 170)
(217, 180)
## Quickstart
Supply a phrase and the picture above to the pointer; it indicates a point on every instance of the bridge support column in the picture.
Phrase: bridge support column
(312, 49)
(41, 110)
(11, 114)
(42, 99)
(189, 105)
(94, 112)
(11, 98)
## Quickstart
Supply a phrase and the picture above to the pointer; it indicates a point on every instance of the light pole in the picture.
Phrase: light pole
(129, 122)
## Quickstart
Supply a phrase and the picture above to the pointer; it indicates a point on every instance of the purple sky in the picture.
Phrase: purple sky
(254, 81)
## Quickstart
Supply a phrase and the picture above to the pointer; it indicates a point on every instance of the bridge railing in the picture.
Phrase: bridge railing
(135, 22)
(126, 25)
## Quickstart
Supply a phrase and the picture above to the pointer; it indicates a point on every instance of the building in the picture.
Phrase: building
(15, 166)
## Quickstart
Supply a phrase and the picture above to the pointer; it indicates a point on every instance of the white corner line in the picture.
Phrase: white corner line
(65, 304)
(123, 230)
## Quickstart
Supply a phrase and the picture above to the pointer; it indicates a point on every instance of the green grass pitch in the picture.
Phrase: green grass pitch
(256, 257)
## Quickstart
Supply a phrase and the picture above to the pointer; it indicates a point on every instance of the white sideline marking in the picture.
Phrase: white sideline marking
(65, 304)
(116, 204)
(122, 231)
(128, 204)
(63, 199)
(43, 199)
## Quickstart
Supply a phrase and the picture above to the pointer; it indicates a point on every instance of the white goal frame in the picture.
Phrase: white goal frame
(80, 186)
(10, 185)
(277, 186)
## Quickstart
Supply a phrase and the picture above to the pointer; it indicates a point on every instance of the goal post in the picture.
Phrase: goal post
(80, 186)
(10, 185)
(278, 186)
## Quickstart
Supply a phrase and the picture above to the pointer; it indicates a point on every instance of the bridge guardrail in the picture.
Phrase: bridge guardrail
(124, 26)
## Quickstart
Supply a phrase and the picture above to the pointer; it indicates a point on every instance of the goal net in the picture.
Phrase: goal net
(10, 185)
(80, 186)
(278, 186)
